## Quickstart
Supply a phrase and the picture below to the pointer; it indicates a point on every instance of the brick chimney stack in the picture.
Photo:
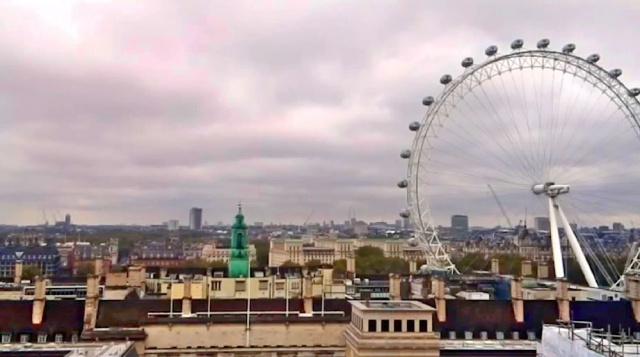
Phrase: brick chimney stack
(17, 274)
(516, 299)
(186, 298)
(526, 268)
(562, 297)
(633, 293)
(307, 294)
(394, 287)
(495, 266)
(39, 301)
(438, 288)
(543, 271)
(91, 302)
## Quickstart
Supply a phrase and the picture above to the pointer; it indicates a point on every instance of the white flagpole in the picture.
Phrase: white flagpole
(287, 293)
(171, 298)
(208, 296)
(248, 298)
(323, 293)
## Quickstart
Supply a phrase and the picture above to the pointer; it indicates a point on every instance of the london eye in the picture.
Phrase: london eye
(548, 132)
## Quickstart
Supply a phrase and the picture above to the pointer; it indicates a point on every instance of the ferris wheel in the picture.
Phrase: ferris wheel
(549, 136)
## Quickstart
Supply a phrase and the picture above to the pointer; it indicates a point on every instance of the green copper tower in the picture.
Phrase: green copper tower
(239, 257)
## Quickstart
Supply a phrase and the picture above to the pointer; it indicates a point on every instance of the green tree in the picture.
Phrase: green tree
(262, 251)
(313, 263)
(85, 269)
(29, 272)
(289, 263)
(371, 260)
(340, 267)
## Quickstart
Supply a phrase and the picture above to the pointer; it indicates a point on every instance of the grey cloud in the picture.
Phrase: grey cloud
(198, 104)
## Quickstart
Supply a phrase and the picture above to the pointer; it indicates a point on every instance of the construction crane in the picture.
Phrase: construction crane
(309, 217)
(504, 213)
(44, 216)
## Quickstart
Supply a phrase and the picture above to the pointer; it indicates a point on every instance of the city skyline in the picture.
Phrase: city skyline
(304, 107)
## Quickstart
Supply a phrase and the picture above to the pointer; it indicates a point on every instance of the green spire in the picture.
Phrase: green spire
(239, 257)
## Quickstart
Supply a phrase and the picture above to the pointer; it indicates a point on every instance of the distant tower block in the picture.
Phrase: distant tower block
(239, 255)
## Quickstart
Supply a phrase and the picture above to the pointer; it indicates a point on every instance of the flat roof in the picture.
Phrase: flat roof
(376, 305)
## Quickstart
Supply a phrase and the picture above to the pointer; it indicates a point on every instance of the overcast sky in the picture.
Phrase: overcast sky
(134, 111)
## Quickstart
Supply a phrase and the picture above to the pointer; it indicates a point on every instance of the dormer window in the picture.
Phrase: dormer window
(6, 338)
(500, 335)
(452, 335)
(42, 338)
(468, 335)
(484, 335)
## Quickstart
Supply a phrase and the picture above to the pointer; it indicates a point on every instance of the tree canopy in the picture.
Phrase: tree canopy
(289, 263)
(371, 260)
(29, 272)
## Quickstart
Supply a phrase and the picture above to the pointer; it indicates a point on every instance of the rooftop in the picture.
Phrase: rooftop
(391, 305)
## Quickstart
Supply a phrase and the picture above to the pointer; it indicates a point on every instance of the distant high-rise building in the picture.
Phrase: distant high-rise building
(406, 223)
(195, 219)
(67, 223)
(353, 222)
(398, 224)
(618, 227)
(173, 225)
(542, 224)
(459, 225)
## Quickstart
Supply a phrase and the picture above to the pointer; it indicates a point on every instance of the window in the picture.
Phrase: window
(411, 326)
(423, 325)
(515, 335)
(42, 338)
(218, 274)
(452, 335)
(397, 325)
(264, 285)
(24, 338)
(59, 338)
(484, 335)
(500, 335)
(531, 335)
(6, 338)
(279, 286)
(384, 326)
(468, 335)
(216, 285)
(74, 338)
(372, 326)
(241, 286)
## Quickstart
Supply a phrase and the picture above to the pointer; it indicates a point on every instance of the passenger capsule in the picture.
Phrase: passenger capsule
(412, 242)
(415, 126)
(405, 154)
(634, 92)
(594, 58)
(427, 101)
(615, 73)
(517, 44)
(405, 213)
(543, 44)
(467, 62)
(491, 50)
(403, 183)
(568, 48)
(446, 79)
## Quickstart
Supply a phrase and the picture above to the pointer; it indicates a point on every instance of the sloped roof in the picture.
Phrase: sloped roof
(59, 316)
